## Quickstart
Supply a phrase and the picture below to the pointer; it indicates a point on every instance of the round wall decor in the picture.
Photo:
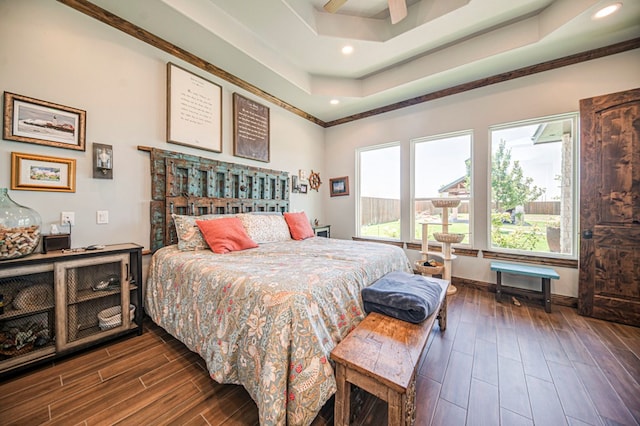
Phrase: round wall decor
(314, 180)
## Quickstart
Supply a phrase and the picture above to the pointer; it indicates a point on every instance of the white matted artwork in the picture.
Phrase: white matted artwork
(194, 110)
(42, 173)
(45, 123)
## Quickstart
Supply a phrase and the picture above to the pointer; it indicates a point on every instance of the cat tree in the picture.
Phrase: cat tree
(445, 238)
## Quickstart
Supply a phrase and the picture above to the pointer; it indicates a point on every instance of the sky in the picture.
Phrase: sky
(442, 161)
(542, 162)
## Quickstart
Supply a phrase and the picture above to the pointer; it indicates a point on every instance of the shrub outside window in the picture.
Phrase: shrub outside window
(533, 186)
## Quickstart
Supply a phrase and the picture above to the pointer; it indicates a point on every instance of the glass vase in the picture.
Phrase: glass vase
(19, 228)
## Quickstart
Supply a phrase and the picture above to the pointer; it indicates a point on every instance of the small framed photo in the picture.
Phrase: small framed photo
(41, 173)
(295, 186)
(339, 186)
(44, 123)
(303, 188)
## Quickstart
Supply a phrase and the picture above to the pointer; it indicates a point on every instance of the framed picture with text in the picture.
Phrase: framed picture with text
(250, 129)
(194, 110)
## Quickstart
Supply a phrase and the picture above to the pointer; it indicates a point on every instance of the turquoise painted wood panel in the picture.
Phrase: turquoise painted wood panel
(529, 270)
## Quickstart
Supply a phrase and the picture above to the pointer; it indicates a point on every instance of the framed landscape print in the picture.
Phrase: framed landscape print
(339, 186)
(44, 123)
(41, 173)
(194, 110)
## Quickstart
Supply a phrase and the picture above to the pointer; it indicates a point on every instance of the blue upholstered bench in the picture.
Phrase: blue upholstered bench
(547, 274)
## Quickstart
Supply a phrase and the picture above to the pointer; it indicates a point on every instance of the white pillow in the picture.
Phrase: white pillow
(265, 228)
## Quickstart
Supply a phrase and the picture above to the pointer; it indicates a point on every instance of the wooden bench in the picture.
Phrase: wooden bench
(381, 357)
(529, 270)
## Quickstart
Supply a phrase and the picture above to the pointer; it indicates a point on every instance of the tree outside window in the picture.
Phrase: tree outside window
(532, 186)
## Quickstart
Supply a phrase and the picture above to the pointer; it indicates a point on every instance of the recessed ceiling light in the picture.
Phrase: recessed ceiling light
(334, 101)
(607, 10)
(347, 50)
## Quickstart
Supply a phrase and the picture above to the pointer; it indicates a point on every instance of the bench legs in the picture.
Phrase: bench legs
(342, 408)
(546, 291)
(401, 406)
(442, 315)
(410, 404)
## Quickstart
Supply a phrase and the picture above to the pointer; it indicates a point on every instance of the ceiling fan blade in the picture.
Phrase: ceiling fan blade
(333, 5)
(397, 10)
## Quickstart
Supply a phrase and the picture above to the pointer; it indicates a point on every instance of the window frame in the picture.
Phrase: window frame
(575, 157)
(413, 199)
(358, 191)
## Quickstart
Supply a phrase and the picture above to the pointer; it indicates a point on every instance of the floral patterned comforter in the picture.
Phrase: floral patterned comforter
(268, 318)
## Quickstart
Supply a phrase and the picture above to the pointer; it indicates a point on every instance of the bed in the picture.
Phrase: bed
(266, 317)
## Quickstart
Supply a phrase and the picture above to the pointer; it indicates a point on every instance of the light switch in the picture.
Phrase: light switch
(102, 217)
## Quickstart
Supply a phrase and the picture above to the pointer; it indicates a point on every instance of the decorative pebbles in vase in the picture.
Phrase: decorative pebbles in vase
(19, 228)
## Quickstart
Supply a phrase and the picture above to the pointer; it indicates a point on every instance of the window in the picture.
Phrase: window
(442, 169)
(533, 186)
(378, 209)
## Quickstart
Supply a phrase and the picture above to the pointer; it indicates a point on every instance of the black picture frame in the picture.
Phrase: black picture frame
(251, 129)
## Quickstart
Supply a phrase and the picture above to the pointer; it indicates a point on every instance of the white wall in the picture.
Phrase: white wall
(51, 52)
(539, 95)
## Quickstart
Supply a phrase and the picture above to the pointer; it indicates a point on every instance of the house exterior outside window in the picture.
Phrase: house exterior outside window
(533, 190)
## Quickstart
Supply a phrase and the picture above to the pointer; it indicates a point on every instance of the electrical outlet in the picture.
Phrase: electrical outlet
(102, 217)
(68, 218)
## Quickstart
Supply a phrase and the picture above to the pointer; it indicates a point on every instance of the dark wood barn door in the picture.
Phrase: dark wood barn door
(609, 285)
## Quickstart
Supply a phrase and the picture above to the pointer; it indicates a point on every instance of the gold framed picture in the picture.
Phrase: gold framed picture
(41, 173)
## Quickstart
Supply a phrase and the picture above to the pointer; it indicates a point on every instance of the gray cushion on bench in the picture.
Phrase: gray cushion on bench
(401, 295)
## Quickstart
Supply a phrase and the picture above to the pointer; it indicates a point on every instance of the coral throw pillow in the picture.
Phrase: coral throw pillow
(299, 225)
(225, 235)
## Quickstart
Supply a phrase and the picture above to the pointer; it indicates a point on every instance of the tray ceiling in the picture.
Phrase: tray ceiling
(292, 48)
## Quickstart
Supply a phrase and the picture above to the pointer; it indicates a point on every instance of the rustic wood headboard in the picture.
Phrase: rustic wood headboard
(191, 185)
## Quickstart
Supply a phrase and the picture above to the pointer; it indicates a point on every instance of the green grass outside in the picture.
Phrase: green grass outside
(392, 230)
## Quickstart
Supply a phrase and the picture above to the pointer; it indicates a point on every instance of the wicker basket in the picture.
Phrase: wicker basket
(112, 317)
(448, 238)
(429, 270)
(445, 202)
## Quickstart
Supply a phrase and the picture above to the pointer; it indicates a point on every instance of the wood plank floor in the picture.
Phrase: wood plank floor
(497, 364)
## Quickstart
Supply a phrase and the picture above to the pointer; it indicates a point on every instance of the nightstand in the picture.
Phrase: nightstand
(322, 230)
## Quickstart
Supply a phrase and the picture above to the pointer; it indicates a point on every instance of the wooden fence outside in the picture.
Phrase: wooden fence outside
(383, 210)
(379, 210)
